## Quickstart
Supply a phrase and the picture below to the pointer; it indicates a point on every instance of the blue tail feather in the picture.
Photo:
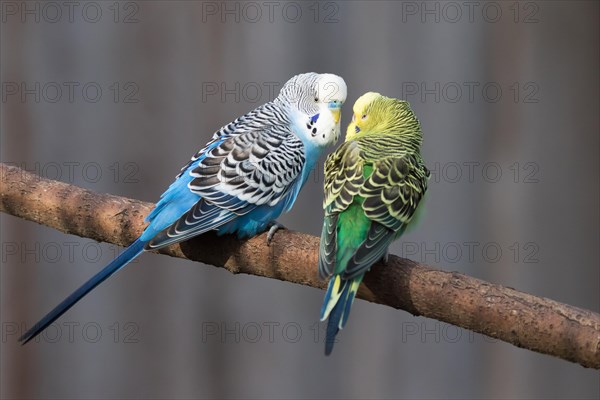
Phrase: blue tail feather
(327, 297)
(123, 259)
(342, 306)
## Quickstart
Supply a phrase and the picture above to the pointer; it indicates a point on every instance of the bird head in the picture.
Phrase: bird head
(318, 100)
(377, 114)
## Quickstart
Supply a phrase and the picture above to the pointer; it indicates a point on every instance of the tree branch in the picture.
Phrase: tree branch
(527, 321)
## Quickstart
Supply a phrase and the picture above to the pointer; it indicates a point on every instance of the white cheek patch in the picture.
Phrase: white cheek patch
(311, 125)
(327, 130)
(320, 128)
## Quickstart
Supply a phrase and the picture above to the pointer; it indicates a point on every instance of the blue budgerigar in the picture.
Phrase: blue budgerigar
(242, 180)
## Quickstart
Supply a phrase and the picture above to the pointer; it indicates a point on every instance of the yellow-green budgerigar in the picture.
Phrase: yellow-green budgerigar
(373, 185)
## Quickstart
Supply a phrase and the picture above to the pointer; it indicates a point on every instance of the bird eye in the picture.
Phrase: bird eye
(316, 99)
(364, 116)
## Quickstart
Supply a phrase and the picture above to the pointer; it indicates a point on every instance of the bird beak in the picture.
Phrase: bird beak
(336, 110)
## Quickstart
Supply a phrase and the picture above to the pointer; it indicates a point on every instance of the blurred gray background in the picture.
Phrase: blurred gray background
(116, 97)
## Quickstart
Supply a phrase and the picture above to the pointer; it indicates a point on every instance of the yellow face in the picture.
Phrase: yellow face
(361, 118)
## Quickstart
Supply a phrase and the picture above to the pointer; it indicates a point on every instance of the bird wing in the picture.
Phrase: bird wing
(251, 162)
(343, 180)
(392, 193)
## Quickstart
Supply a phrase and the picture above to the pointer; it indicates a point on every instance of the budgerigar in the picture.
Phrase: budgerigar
(373, 185)
(247, 175)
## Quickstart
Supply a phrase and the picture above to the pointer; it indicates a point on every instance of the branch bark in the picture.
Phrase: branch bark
(524, 320)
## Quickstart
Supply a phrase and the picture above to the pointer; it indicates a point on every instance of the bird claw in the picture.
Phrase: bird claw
(385, 258)
(273, 227)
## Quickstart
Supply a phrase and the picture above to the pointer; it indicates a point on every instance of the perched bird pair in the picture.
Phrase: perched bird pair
(252, 171)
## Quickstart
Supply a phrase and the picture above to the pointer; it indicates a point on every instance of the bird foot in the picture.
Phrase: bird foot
(273, 227)
(385, 258)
